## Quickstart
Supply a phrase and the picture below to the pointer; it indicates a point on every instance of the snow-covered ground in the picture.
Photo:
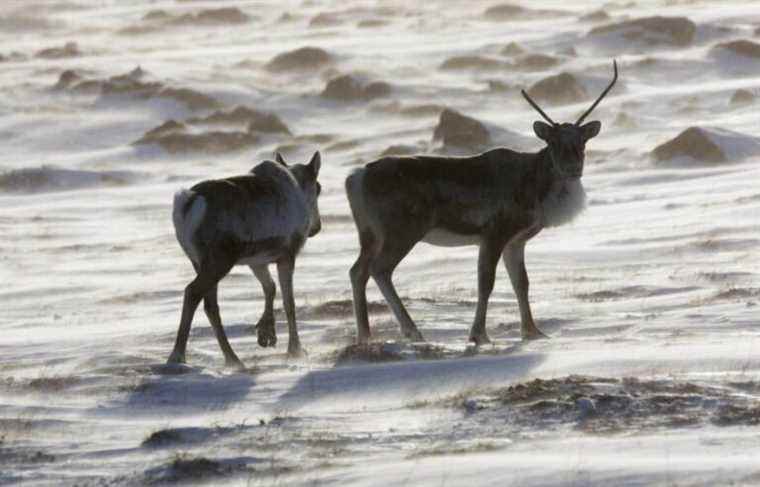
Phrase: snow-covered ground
(652, 372)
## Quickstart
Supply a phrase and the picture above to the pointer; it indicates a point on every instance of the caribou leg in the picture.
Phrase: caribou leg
(514, 260)
(381, 269)
(267, 336)
(285, 267)
(213, 269)
(487, 259)
(211, 307)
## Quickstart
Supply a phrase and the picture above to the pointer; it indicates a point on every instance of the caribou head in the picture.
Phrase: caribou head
(567, 141)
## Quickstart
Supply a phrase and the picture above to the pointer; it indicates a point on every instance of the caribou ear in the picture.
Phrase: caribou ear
(542, 130)
(278, 157)
(591, 129)
(315, 163)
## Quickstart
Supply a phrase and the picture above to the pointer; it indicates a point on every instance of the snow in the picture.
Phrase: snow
(657, 280)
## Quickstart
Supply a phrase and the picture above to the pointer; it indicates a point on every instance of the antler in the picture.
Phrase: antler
(538, 109)
(609, 87)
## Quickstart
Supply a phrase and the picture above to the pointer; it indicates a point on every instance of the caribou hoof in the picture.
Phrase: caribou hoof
(234, 363)
(481, 339)
(267, 337)
(176, 358)
(533, 334)
(295, 351)
(362, 339)
(413, 335)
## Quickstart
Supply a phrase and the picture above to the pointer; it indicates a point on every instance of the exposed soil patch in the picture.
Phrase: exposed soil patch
(172, 437)
(630, 292)
(371, 352)
(738, 294)
(341, 308)
(184, 469)
(598, 405)
(447, 448)
(24, 456)
(377, 352)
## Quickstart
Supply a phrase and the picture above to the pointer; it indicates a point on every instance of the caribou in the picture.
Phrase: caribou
(497, 200)
(254, 219)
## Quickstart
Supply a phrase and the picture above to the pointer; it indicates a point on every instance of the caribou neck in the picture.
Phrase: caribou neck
(546, 174)
(562, 199)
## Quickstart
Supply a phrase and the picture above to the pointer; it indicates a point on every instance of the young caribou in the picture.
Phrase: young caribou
(498, 200)
(255, 219)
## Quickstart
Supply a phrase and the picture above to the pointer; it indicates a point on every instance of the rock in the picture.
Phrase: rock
(507, 12)
(154, 15)
(595, 16)
(70, 49)
(253, 120)
(351, 88)
(175, 141)
(50, 178)
(324, 20)
(304, 58)
(167, 128)
(674, 31)
(12, 56)
(562, 88)
(458, 130)
(512, 49)
(371, 23)
(710, 145)
(536, 62)
(693, 142)
(742, 97)
(194, 100)
(472, 62)
(623, 120)
(400, 150)
(67, 79)
(227, 15)
(741, 47)
(424, 110)
(504, 11)
(212, 16)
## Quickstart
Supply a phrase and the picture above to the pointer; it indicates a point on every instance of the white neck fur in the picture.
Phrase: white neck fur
(565, 200)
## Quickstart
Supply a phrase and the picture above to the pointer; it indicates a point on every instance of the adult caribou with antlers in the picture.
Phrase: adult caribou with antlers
(497, 200)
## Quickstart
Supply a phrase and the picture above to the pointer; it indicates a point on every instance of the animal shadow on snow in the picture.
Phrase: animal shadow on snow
(411, 380)
(185, 389)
